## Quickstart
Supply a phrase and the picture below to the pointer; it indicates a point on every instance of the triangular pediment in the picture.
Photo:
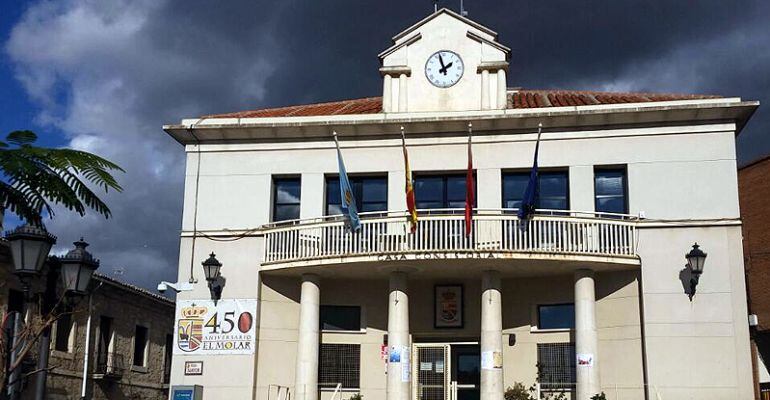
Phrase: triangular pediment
(444, 11)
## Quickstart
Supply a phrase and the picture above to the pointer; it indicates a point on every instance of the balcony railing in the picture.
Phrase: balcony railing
(550, 231)
(109, 365)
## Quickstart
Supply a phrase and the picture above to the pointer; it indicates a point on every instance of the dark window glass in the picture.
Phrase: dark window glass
(441, 191)
(610, 190)
(63, 332)
(339, 364)
(371, 194)
(15, 300)
(140, 345)
(556, 366)
(554, 189)
(286, 198)
(556, 316)
(168, 351)
(341, 318)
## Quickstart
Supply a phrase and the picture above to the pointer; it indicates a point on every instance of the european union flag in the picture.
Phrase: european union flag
(532, 193)
(348, 200)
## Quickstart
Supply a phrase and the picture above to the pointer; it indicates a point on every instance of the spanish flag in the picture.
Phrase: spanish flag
(469, 189)
(410, 203)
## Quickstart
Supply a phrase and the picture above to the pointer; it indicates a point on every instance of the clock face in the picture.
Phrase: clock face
(444, 68)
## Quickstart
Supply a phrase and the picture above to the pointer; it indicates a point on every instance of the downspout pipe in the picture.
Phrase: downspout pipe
(87, 349)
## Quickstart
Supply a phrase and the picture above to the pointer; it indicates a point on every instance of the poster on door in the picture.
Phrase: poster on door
(205, 328)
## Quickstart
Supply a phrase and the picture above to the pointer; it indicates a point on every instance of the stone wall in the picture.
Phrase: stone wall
(128, 307)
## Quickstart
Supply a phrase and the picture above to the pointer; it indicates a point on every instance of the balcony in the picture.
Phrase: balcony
(109, 366)
(498, 234)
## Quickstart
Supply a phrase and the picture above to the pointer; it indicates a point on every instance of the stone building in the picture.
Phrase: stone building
(754, 185)
(591, 294)
(129, 343)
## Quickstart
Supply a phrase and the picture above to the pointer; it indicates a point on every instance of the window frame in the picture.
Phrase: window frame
(536, 327)
(572, 359)
(359, 196)
(527, 172)
(274, 196)
(71, 334)
(612, 168)
(444, 175)
(361, 324)
(322, 386)
(145, 361)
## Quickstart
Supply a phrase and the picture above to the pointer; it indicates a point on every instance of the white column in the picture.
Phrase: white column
(399, 380)
(306, 383)
(485, 89)
(491, 337)
(402, 105)
(387, 90)
(502, 90)
(586, 342)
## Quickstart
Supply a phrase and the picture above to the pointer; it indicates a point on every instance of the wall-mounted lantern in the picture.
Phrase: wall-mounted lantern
(211, 268)
(695, 260)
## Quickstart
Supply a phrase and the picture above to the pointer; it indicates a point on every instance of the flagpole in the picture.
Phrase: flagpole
(411, 206)
(469, 187)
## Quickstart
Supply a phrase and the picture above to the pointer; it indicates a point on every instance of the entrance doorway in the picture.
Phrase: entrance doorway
(446, 371)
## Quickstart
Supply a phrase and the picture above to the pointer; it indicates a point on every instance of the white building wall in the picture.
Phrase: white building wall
(682, 173)
(687, 173)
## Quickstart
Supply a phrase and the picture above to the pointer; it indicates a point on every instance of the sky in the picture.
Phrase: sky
(104, 76)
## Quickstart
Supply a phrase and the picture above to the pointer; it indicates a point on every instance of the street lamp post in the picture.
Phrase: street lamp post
(30, 246)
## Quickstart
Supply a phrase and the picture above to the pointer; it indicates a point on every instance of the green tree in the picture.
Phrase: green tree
(34, 179)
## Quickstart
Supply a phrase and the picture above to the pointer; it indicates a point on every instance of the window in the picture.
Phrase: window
(15, 300)
(556, 316)
(440, 191)
(554, 189)
(371, 193)
(140, 346)
(286, 198)
(556, 366)
(106, 360)
(64, 332)
(610, 190)
(341, 318)
(339, 364)
(168, 351)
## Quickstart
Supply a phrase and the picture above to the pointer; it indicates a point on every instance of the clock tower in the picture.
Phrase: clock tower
(445, 62)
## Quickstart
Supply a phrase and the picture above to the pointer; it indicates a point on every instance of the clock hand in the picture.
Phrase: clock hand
(443, 67)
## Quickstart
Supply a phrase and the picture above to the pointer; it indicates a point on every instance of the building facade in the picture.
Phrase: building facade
(593, 294)
(127, 341)
(754, 184)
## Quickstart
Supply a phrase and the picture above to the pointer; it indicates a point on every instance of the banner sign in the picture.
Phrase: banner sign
(203, 328)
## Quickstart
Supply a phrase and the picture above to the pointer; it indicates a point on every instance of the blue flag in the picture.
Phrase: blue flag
(532, 193)
(347, 199)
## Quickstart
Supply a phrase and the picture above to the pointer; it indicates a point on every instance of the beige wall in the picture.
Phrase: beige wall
(617, 318)
(698, 348)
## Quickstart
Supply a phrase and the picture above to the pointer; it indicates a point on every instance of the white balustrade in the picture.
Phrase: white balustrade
(556, 232)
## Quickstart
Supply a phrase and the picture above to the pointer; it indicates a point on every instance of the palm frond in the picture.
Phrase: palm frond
(38, 177)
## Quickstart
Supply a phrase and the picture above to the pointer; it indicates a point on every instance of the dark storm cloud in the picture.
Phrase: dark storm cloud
(127, 67)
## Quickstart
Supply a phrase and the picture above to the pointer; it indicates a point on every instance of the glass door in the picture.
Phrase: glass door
(466, 371)
(431, 372)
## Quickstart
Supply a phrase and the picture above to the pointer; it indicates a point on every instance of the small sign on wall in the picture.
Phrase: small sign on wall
(585, 360)
(193, 367)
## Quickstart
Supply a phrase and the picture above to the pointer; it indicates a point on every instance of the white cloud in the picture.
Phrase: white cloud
(109, 74)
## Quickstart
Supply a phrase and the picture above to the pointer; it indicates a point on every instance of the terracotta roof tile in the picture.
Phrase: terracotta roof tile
(517, 99)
